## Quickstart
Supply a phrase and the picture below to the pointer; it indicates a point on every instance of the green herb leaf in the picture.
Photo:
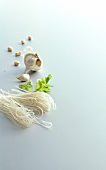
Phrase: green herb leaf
(48, 78)
(27, 86)
(41, 85)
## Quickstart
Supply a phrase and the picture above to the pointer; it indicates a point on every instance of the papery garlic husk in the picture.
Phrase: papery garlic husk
(24, 77)
(29, 49)
(32, 62)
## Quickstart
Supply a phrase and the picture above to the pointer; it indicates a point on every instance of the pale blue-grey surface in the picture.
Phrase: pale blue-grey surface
(70, 37)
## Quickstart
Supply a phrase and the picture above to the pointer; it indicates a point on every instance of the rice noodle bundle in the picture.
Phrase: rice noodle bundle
(20, 108)
(17, 113)
(36, 101)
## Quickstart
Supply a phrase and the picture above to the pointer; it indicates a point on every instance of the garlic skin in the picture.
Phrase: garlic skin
(29, 49)
(32, 62)
(24, 77)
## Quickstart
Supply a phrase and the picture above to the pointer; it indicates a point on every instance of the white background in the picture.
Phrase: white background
(70, 37)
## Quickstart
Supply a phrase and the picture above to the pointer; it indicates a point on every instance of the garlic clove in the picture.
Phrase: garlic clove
(23, 41)
(38, 62)
(18, 53)
(24, 77)
(29, 37)
(16, 63)
(10, 49)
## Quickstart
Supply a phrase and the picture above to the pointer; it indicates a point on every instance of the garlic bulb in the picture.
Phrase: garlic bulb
(32, 62)
(23, 77)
